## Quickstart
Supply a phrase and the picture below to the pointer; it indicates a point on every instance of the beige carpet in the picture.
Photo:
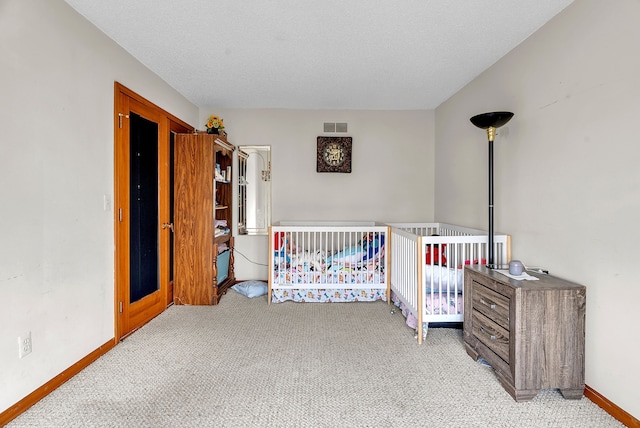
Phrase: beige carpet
(244, 363)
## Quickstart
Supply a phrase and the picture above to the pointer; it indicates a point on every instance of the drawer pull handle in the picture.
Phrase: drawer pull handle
(491, 336)
(491, 305)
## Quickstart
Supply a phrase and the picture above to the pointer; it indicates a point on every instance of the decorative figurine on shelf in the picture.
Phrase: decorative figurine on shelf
(215, 125)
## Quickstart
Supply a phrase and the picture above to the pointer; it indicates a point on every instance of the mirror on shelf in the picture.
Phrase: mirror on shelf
(254, 190)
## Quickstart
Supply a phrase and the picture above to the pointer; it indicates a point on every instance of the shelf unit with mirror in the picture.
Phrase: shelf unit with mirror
(254, 190)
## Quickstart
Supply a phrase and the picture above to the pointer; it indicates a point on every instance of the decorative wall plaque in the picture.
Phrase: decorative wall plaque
(334, 154)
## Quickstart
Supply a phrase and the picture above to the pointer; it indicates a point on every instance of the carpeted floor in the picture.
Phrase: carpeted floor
(244, 363)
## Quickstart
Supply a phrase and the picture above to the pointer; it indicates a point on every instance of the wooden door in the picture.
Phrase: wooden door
(142, 209)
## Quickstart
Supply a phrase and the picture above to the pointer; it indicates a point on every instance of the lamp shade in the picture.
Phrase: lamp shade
(495, 119)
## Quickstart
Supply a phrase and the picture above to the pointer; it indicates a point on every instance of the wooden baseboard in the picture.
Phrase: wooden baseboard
(610, 408)
(21, 406)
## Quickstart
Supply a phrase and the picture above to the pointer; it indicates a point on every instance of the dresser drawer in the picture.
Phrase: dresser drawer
(493, 305)
(491, 334)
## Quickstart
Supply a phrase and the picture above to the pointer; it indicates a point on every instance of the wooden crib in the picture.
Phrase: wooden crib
(328, 262)
(427, 269)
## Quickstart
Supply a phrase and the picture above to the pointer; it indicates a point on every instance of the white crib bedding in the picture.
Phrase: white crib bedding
(441, 277)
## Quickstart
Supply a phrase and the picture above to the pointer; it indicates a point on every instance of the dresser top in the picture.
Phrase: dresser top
(545, 281)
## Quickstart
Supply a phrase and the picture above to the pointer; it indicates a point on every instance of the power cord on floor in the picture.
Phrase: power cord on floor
(235, 250)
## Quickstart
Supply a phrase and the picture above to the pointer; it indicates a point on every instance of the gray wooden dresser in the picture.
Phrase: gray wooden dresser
(530, 332)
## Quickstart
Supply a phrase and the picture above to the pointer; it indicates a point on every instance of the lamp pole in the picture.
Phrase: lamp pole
(491, 132)
(490, 122)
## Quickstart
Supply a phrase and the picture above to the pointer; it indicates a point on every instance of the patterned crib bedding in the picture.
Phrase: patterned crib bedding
(436, 304)
(323, 295)
(341, 277)
(331, 285)
(354, 272)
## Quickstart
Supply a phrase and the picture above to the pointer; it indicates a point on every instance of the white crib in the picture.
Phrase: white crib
(328, 262)
(427, 271)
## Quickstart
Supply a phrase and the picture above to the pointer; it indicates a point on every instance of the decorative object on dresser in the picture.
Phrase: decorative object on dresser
(530, 332)
(203, 244)
(490, 122)
(334, 154)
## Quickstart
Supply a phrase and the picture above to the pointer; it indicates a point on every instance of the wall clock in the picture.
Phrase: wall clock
(334, 154)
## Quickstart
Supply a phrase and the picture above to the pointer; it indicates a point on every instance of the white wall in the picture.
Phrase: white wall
(391, 178)
(56, 258)
(567, 180)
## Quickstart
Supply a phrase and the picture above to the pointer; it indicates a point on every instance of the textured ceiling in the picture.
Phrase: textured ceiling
(331, 54)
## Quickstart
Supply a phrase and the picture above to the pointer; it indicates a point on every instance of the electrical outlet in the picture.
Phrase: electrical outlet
(24, 345)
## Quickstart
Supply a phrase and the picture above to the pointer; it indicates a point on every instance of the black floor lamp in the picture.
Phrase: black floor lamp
(491, 122)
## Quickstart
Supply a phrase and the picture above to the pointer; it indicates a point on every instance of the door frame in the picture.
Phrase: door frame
(126, 100)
